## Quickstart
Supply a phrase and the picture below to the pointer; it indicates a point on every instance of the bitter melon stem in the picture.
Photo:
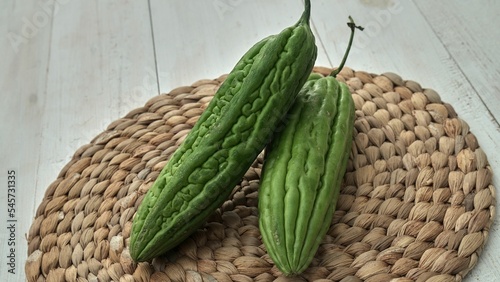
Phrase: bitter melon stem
(353, 27)
(306, 15)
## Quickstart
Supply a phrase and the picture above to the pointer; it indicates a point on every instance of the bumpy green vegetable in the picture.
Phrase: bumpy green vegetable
(302, 173)
(231, 132)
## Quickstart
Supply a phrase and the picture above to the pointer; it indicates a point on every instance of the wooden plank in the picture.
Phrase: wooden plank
(471, 35)
(95, 73)
(101, 66)
(90, 64)
(25, 30)
(203, 39)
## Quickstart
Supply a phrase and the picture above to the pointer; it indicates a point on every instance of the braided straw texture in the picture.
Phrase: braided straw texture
(416, 204)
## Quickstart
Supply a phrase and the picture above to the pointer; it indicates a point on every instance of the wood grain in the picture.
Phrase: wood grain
(228, 29)
(23, 80)
(472, 39)
(67, 80)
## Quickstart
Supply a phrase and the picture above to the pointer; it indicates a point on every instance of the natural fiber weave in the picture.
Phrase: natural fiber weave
(416, 204)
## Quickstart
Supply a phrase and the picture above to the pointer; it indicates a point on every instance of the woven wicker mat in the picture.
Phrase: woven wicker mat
(416, 204)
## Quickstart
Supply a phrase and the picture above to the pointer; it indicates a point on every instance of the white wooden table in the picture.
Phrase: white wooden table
(69, 68)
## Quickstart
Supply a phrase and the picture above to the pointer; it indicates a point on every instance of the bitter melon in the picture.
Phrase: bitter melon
(222, 145)
(303, 171)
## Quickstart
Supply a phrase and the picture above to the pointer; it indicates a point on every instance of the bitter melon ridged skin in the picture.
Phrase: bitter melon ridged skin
(235, 127)
(303, 171)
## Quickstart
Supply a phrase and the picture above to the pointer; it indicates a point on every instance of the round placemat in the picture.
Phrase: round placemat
(416, 203)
